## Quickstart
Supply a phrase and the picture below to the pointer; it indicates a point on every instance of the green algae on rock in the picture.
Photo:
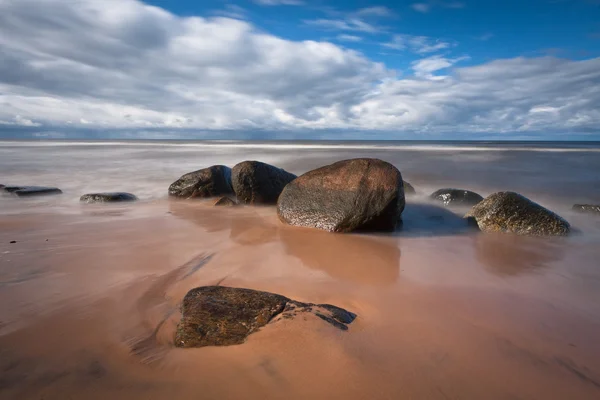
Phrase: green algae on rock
(223, 316)
(361, 194)
(206, 182)
(510, 212)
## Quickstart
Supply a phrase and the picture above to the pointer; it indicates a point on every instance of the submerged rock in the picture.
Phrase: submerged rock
(225, 202)
(110, 197)
(363, 194)
(223, 316)
(207, 182)
(27, 191)
(409, 190)
(255, 182)
(456, 197)
(587, 208)
(513, 213)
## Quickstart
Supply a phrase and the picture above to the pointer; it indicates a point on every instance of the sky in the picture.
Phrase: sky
(301, 69)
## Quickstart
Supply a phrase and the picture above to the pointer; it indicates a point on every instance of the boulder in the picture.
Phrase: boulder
(409, 190)
(362, 194)
(110, 197)
(225, 202)
(513, 213)
(587, 208)
(223, 316)
(28, 191)
(255, 182)
(208, 182)
(456, 197)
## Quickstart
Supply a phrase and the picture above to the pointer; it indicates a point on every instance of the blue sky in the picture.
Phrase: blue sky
(301, 68)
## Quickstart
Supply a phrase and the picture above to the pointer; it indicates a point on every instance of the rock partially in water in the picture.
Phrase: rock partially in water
(225, 202)
(587, 208)
(409, 190)
(511, 212)
(456, 197)
(223, 316)
(109, 197)
(207, 182)
(29, 191)
(255, 182)
(362, 194)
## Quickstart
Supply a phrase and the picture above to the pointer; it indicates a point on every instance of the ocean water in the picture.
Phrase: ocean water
(555, 174)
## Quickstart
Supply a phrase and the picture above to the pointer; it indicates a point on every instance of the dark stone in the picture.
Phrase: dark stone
(456, 197)
(513, 213)
(362, 194)
(409, 190)
(13, 241)
(255, 182)
(225, 202)
(223, 316)
(28, 191)
(112, 197)
(587, 208)
(208, 182)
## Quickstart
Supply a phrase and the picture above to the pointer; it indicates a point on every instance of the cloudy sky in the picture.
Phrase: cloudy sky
(441, 69)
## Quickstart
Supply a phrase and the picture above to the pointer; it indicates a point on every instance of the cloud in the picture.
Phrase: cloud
(377, 11)
(425, 7)
(417, 44)
(349, 38)
(279, 2)
(232, 11)
(122, 64)
(361, 20)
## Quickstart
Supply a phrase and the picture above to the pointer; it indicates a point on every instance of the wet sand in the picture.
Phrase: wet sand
(89, 302)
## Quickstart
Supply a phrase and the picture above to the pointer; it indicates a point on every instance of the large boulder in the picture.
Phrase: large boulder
(513, 213)
(587, 208)
(208, 182)
(223, 316)
(409, 190)
(456, 197)
(255, 182)
(29, 191)
(107, 197)
(362, 194)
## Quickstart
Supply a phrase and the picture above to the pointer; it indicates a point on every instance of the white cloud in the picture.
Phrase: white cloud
(350, 24)
(377, 11)
(421, 7)
(349, 38)
(279, 2)
(232, 11)
(425, 7)
(138, 67)
(417, 44)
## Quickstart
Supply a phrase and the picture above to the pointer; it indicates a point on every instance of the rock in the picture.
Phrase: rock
(255, 182)
(225, 202)
(111, 197)
(13, 241)
(28, 191)
(223, 316)
(362, 194)
(409, 189)
(456, 197)
(208, 182)
(587, 208)
(513, 213)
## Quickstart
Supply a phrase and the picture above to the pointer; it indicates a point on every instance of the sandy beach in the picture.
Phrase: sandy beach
(90, 295)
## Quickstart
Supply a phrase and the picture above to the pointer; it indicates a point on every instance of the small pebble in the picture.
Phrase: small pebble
(13, 241)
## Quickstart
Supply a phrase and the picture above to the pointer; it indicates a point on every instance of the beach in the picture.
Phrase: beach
(90, 294)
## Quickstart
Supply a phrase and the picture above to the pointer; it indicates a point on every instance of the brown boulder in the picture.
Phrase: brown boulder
(207, 182)
(223, 316)
(255, 182)
(362, 194)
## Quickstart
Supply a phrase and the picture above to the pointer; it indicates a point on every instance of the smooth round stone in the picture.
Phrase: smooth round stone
(110, 197)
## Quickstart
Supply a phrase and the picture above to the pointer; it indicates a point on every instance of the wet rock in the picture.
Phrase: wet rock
(13, 241)
(511, 212)
(208, 182)
(456, 197)
(110, 197)
(223, 316)
(409, 190)
(28, 191)
(255, 182)
(362, 194)
(225, 202)
(587, 208)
